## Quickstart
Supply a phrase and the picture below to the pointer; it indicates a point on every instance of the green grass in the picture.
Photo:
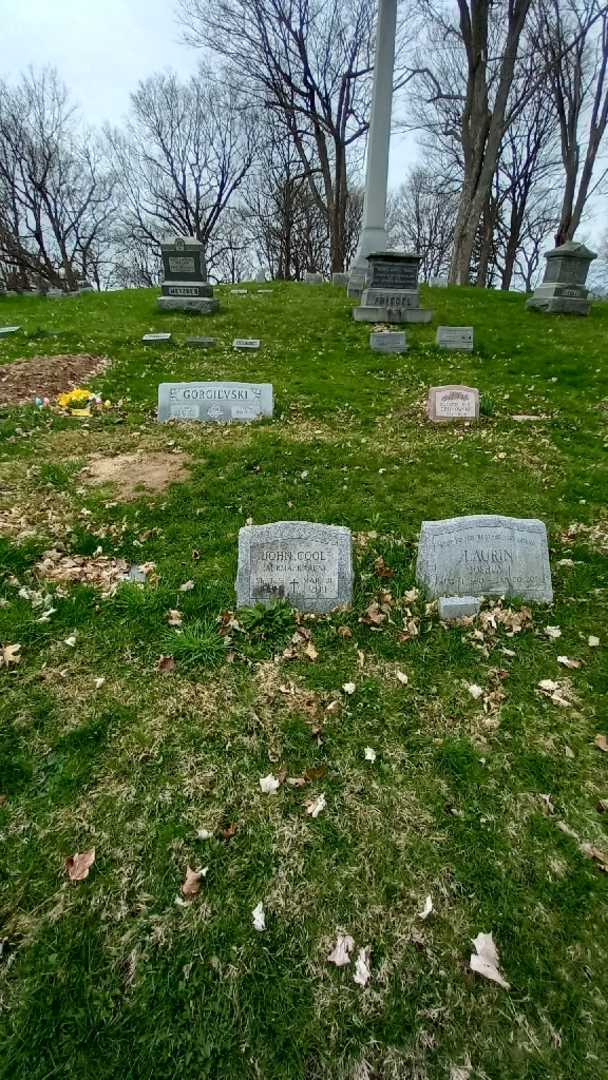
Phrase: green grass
(110, 977)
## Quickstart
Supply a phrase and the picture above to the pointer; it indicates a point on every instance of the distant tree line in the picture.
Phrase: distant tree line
(260, 154)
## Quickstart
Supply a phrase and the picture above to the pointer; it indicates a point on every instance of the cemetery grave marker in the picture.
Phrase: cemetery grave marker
(456, 402)
(185, 286)
(485, 555)
(391, 293)
(6, 330)
(388, 341)
(200, 342)
(246, 343)
(156, 339)
(457, 338)
(452, 608)
(306, 563)
(563, 286)
(214, 401)
(340, 279)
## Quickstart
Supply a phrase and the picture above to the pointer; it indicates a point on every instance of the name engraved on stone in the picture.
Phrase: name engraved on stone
(308, 564)
(485, 555)
(181, 264)
(394, 276)
(455, 337)
(214, 401)
(388, 341)
(453, 403)
(182, 290)
(246, 343)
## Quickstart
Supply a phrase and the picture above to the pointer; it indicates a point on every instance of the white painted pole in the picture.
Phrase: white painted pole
(373, 233)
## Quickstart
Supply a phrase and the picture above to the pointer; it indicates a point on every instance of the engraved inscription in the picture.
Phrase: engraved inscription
(182, 290)
(182, 264)
(450, 403)
(295, 568)
(394, 275)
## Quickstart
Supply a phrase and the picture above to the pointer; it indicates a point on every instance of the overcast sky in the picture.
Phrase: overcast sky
(101, 50)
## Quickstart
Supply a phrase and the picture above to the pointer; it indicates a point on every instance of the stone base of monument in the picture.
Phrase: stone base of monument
(454, 608)
(559, 300)
(391, 293)
(202, 305)
(376, 314)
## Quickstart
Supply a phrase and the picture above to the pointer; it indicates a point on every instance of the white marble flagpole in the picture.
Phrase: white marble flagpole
(373, 233)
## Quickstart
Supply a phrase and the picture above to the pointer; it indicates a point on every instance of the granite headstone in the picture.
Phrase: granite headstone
(455, 402)
(388, 341)
(457, 338)
(185, 286)
(391, 293)
(563, 287)
(214, 401)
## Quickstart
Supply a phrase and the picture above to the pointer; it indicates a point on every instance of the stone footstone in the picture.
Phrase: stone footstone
(156, 339)
(306, 563)
(563, 288)
(454, 608)
(200, 342)
(456, 338)
(485, 555)
(246, 343)
(454, 402)
(214, 401)
(388, 341)
(5, 331)
(340, 279)
(206, 306)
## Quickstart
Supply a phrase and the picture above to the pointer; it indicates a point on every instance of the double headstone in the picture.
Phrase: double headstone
(217, 401)
(185, 286)
(306, 563)
(485, 555)
(392, 294)
(563, 288)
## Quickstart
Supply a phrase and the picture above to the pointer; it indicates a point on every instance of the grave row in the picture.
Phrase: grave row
(201, 342)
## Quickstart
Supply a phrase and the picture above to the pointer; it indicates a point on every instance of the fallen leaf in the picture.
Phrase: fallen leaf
(203, 834)
(165, 664)
(548, 685)
(78, 865)
(601, 806)
(315, 806)
(349, 688)
(597, 855)
(403, 679)
(345, 632)
(71, 641)
(269, 784)
(461, 1072)
(382, 569)
(370, 754)
(553, 632)
(601, 742)
(99, 682)
(566, 662)
(315, 772)
(485, 960)
(229, 832)
(192, 883)
(475, 691)
(10, 655)
(593, 641)
(174, 617)
(311, 652)
(296, 781)
(362, 969)
(340, 954)
(187, 586)
(259, 917)
(427, 909)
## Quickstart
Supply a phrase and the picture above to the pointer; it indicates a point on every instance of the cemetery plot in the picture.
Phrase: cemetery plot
(47, 376)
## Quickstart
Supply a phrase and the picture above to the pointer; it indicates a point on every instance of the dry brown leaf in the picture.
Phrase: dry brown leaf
(402, 677)
(566, 662)
(315, 806)
(344, 632)
(78, 865)
(598, 856)
(9, 654)
(174, 617)
(601, 742)
(165, 664)
(191, 886)
(382, 569)
(311, 652)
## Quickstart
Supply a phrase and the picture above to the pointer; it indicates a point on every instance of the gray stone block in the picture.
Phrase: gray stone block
(205, 306)
(409, 315)
(388, 341)
(453, 608)
(5, 331)
(246, 343)
(156, 339)
(304, 562)
(214, 401)
(369, 314)
(200, 342)
(456, 338)
(340, 279)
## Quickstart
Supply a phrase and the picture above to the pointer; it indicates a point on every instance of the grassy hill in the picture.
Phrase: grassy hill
(491, 803)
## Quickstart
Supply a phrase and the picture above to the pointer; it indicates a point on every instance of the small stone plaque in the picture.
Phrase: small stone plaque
(388, 341)
(485, 555)
(200, 342)
(238, 292)
(246, 343)
(308, 564)
(156, 339)
(458, 338)
(214, 401)
(453, 403)
(6, 330)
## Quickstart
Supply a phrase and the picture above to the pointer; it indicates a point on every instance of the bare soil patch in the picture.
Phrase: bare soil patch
(133, 474)
(47, 376)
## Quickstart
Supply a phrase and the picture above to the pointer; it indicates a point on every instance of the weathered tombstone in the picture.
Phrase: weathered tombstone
(563, 287)
(456, 338)
(453, 608)
(456, 402)
(156, 339)
(260, 277)
(214, 401)
(246, 343)
(485, 555)
(388, 341)
(438, 282)
(313, 278)
(306, 563)
(6, 330)
(391, 293)
(340, 279)
(200, 342)
(356, 282)
(185, 286)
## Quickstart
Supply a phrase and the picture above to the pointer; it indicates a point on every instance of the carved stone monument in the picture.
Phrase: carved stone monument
(185, 286)
(306, 563)
(485, 555)
(216, 401)
(447, 403)
(563, 287)
(392, 293)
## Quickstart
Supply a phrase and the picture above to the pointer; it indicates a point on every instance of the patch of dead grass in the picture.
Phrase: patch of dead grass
(133, 474)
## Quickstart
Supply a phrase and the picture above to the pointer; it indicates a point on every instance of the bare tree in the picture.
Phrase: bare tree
(421, 219)
(308, 62)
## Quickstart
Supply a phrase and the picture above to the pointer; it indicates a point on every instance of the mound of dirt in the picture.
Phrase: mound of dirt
(47, 376)
(139, 473)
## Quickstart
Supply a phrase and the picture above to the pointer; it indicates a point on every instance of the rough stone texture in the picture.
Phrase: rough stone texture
(356, 283)
(202, 307)
(200, 342)
(308, 564)
(458, 338)
(214, 401)
(185, 286)
(246, 343)
(563, 288)
(452, 608)
(6, 330)
(388, 341)
(340, 279)
(313, 278)
(156, 339)
(366, 313)
(408, 315)
(455, 402)
(485, 554)
(391, 294)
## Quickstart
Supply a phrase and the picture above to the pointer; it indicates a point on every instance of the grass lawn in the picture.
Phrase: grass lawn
(486, 803)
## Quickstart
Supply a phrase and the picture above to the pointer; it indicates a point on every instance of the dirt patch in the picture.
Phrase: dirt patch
(134, 474)
(47, 376)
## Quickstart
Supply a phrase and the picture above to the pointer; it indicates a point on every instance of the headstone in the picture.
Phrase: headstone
(246, 343)
(438, 282)
(388, 341)
(200, 342)
(447, 403)
(452, 608)
(6, 330)
(485, 555)
(356, 282)
(308, 564)
(340, 279)
(156, 339)
(185, 286)
(238, 292)
(313, 278)
(391, 293)
(563, 288)
(260, 277)
(456, 338)
(264, 292)
(214, 401)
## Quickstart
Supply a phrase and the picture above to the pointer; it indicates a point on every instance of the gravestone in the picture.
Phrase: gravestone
(453, 608)
(388, 341)
(246, 343)
(340, 279)
(392, 293)
(438, 282)
(185, 286)
(260, 277)
(214, 401)
(457, 338)
(485, 555)
(200, 342)
(264, 292)
(6, 330)
(356, 282)
(156, 339)
(456, 402)
(563, 287)
(306, 563)
(313, 278)
(238, 292)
